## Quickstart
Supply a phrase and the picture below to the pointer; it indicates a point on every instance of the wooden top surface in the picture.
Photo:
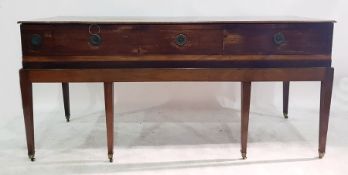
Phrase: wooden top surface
(170, 20)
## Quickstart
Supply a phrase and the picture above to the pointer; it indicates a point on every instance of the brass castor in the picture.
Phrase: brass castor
(110, 156)
(321, 155)
(67, 118)
(32, 157)
(244, 156)
(285, 115)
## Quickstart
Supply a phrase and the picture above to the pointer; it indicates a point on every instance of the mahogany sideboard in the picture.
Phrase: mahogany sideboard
(109, 49)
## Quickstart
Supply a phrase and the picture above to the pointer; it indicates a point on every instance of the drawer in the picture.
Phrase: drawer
(176, 40)
(96, 40)
(37, 39)
(278, 39)
(195, 39)
(82, 40)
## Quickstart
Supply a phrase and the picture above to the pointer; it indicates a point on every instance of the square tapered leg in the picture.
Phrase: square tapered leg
(325, 102)
(109, 111)
(245, 105)
(286, 87)
(66, 99)
(27, 101)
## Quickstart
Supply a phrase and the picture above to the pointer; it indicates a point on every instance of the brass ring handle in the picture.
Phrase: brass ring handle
(90, 29)
(180, 39)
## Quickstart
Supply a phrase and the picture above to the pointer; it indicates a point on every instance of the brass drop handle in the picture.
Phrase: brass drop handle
(94, 39)
(180, 39)
(279, 38)
(94, 29)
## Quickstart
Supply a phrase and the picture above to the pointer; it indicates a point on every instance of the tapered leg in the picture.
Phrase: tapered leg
(325, 102)
(109, 110)
(27, 101)
(245, 104)
(286, 86)
(66, 99)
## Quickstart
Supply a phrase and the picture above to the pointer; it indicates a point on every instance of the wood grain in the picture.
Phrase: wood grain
(109, 112)
(325, 103)
(160, 41)
(170, 58)
(172, 74)
(202, 39)
(27, 101)
(176, 61)
(74, 40)
(301, 39)
(245, 105)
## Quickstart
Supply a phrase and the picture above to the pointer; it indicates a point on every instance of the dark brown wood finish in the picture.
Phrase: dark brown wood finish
(286, 88)
(176, 57)
(66, 99)
(325, 103)
(177, 74)
(27, 100)
(300, 39)
(163, 41)
(116, 40)
(211, 39)
(245, 105)
(109, 111)
(46, 33)
(74, 40)
(119, 50)
(176, 61)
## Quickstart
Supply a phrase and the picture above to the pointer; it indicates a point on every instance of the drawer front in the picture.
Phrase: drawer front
(81, 39)
(195, 39)
(37, 39)
(278, 39)
(96, 40)
(181, 41)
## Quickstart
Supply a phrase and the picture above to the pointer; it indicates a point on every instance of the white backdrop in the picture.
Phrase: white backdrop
(133, 96)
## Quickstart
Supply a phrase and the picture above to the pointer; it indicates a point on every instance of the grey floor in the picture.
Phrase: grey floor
(174, 139)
